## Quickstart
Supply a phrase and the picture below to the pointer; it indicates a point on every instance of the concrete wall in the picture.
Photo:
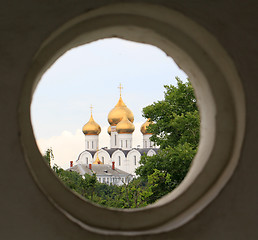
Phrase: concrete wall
(26, 213)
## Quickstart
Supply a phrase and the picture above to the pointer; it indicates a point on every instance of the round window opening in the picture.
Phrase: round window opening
(115, 159)
(220, 99)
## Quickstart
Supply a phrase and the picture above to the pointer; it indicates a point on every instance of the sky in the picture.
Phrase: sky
(90, 75)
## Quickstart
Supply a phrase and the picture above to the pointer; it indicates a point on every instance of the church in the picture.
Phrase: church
(121, 155)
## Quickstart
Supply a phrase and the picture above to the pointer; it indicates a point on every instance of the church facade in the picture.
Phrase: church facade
(121, 154)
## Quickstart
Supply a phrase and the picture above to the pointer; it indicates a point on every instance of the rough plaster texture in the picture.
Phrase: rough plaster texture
(25, 211)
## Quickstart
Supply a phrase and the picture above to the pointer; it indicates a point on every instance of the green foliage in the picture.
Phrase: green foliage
(176, 118)
(173, 161)
(108, 195)
(160, 184)
(133, 195)
(76, 182)
(176, 129)
(48, 155)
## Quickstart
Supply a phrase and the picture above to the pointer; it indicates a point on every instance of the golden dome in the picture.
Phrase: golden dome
(125, 126)
(97, 161)
(117, 113)
(144, 127)
(109, 130)
(91, 127)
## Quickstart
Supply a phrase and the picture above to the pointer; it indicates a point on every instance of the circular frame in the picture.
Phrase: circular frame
(220, 99)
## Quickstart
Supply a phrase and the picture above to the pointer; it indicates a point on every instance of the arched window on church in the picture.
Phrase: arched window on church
(119, 160)
(115, 140)
(103, 160)
(126, 143)
(134, 160)
(87, 160)
(121, 143)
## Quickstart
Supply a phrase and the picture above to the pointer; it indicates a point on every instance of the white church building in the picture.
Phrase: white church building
(120, 154)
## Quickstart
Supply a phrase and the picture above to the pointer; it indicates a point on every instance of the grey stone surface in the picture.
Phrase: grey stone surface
(26, 213)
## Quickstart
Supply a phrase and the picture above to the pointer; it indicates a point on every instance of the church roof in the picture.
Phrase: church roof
(110, 151)
(102, 169)
(89, 151)
(146, 150)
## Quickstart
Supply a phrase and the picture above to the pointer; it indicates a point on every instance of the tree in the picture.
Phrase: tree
(159, 184)
(172, 163)
(108, 195)
(175, 128)
(176, 118)
(74, 181)
(48, 156)
(136, 194)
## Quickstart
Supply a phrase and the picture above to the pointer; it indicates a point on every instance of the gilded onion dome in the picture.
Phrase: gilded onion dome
(91, 127)
(125, 126)
(144, 127)
(109, 130)
(117, 113)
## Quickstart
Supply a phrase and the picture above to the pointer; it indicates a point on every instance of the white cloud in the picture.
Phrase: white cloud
(66, 147)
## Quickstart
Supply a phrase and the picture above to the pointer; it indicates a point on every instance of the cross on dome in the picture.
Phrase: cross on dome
(120, 87)
(117, 113)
